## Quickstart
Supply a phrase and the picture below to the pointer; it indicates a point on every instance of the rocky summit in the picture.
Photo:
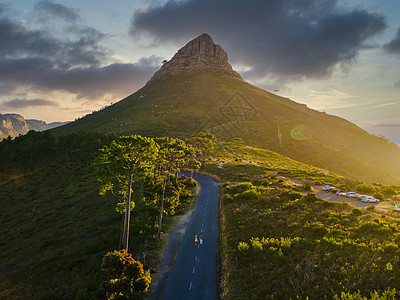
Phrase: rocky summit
(200, 54)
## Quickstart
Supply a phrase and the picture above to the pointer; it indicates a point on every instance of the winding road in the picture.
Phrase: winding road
(194, 273)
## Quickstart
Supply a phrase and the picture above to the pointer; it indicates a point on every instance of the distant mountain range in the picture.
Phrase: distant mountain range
(197, 90)
(14, 125)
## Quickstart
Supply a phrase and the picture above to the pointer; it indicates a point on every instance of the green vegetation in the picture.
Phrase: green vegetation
(231, 109)
(277, 239)
(126, 161)
(125, 277)
(290, 245)
(55, 227)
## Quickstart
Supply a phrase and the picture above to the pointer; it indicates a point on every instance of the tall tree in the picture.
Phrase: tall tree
(127, 160)
(171, 151)
(205, 142)
(174, 154)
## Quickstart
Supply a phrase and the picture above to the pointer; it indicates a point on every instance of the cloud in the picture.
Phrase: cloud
(61, 54)
(382, 105)
(397, 84)
(394, 45)
(24, 103)
(278, 40)
(90, 82)
(46, 9)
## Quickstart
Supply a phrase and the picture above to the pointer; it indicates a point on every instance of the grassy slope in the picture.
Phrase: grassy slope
(230, 108)
(311, 248)
(54, 224)
(55, 230)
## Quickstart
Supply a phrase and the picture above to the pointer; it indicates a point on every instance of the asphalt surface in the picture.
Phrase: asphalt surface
(194, 273)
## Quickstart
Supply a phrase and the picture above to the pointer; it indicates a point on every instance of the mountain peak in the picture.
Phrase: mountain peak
(200, 54)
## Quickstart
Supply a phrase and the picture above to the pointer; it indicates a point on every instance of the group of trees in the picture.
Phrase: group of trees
(34, 150)
(156, 161)
(138, 170)
(145, 166)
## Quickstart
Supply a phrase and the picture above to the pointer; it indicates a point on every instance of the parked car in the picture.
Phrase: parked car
(351, 195)
(340, 193)
(370, 199)
(373, 200)
(333, 190)
(360, 197)
(326, 187)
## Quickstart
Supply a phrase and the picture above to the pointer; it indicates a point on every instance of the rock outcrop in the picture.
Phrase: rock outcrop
(200, 54)
(14, 125)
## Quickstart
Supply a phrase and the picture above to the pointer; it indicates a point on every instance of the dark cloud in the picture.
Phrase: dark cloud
(61, 54)
(282, 40)
(90, 82)
(24, 103)
(47, 9)
(394, 45)
(397, 84)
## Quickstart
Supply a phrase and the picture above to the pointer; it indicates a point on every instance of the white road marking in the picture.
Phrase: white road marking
(190, 286)
(195, 259)
(194, 268)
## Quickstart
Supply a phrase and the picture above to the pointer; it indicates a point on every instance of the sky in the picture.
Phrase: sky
(60, 60)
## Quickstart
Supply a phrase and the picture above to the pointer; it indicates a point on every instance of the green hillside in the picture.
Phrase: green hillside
(56, 228)
(278, 241)
(232, 108)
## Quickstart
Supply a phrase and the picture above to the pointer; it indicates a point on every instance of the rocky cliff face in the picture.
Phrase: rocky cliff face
(200, 54)
(14, 125)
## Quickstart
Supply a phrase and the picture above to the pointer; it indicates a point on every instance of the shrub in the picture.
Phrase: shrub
(256, 244)
(356, 211)
(378, 195)
(307, 187)
(243, 247)
(249, 194)
(125, 277)
(292, 195)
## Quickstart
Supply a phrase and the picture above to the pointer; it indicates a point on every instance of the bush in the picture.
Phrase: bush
(249, 194)
(243, 247)
(356, 211)
(125, 277)
(256, 244)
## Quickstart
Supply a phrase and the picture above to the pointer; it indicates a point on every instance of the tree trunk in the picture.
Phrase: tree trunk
(162, 209)
(121, 238)
(122, 234)
(128, 213)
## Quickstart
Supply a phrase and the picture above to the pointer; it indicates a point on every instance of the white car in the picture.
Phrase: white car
(326, 187)
(370, 199)
(351, 195)
(340, 193)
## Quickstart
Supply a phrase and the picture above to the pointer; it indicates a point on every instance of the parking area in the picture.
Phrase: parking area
(333, 197)
(354, 201)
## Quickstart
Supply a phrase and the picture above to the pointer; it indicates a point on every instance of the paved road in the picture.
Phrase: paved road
(194, 273)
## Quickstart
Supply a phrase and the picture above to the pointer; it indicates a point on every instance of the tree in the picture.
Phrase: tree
(174, 154)
(205, 142)
(125, 277)
(127, 160)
